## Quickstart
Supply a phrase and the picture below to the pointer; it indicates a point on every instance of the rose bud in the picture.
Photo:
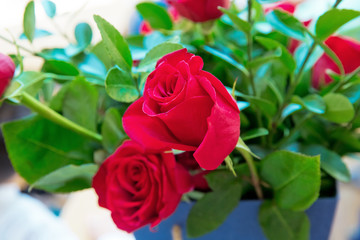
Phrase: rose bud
(185, 108)
(347, 50)
(7, 70)
(199, 10)
(140, 187)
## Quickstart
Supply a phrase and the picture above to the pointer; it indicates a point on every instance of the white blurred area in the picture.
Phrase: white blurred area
(81, 212)
(69, 14)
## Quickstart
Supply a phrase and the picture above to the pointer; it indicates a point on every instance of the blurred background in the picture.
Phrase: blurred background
(79, 212)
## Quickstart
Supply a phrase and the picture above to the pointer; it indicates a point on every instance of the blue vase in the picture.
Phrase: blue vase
(242, 223)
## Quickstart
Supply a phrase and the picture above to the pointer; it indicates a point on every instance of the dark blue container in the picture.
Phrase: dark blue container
(242, 223)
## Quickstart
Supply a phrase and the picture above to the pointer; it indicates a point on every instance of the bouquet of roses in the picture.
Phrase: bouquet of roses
(153, 118)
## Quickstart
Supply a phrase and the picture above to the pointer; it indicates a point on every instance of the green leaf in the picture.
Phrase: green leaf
(149, 62)
(264, 105)
(156, 15)
(290, 109)
(83, 34)
(29, 21)
(212, 210)
(331, 54)
(352, 92)
(67, 179)
(120, 85)
(227, 59)
(285, 56)
(294, 177)
(60, 67)
(243, 148)
(115, 44)
(29, 82)
(283, 224)
(331, 162)
(238, 22)
(112, 130)
(314, 103)
(254, 133)
(338, 108)
(38, 147)
(49, 7)
(100, 51)
(220, 179)
(80, 103)
(286, 24)
(301, 54)
(332, 20)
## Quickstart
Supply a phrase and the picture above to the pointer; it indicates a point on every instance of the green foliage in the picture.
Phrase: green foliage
(83, 34)
(29, 82)
(112, 130)
(115, 44)
(60, 67)
(286, 24)
(81, 95)
(279, 223)
(29, 21)
(338, 108)
(121, 86)
(254, 133)
(67, 179)
(294, 177)
(210, 212)
(38, 147)
(332, 20)
(149, 62)
(331, 162)
(156, 15)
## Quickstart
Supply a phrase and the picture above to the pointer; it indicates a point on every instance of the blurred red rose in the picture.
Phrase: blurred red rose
(7, 70)
(140, 187)
(347, 50)
(185, 108)
(199, 10)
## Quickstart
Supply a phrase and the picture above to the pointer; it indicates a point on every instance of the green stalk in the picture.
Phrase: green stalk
(255, 179)
(55, 117)
(251, 74)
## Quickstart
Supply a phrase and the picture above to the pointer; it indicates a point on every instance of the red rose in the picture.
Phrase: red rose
(347, 50)
(199, 10)
(285, 6)
(140, 187)
(185, 108)
(7, 69)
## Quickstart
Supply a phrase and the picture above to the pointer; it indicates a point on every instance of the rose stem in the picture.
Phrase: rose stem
(254, 174)
(55, 117)
(176, 232)
(11, 42)
(292, 88)
(251, 75)
(253, 171)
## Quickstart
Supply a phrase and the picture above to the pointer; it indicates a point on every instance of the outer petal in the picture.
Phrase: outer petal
(150, 132)
(223, 126)
(221, 137)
